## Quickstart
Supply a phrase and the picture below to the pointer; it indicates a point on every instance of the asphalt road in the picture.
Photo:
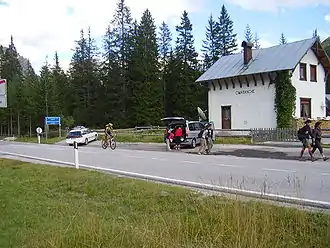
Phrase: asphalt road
(310, 180)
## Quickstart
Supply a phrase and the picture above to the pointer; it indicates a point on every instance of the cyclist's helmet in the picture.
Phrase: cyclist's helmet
(109, 124)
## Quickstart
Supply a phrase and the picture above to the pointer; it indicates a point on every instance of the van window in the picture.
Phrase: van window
(192, 126)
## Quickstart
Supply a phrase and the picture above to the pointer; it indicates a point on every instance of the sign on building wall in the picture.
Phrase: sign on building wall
(244, 92)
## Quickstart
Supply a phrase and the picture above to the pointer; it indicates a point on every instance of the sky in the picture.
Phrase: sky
(41, 27)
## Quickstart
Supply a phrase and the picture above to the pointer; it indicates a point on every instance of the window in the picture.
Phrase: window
(303, 74)
(313, 73)
(305, 107)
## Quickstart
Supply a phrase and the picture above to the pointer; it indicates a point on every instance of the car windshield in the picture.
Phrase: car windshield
(74, 134)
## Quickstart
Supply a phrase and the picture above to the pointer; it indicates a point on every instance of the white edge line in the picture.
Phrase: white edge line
(249, 193)
(280, 170)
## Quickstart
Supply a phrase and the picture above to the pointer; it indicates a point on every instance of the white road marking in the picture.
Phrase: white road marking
(133, 157)
(279, 170)
(190, 162)
(227, 165)
(325, 174)
(161, 159)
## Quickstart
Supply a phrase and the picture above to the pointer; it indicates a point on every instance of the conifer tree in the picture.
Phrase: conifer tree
(227, 41)
(248, 34)
(210, 44)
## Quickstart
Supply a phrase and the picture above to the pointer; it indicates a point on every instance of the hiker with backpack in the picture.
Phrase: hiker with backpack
(209, 138)
(304, 134)
(317, 134)
(203, 136)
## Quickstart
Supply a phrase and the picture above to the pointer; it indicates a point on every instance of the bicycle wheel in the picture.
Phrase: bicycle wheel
(113, 144)
(104, 144)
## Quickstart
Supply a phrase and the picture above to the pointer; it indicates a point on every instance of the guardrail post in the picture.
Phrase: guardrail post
(38, 138)
(76, 155)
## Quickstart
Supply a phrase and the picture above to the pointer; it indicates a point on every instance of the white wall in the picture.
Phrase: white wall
(307, 89)
(252, 110)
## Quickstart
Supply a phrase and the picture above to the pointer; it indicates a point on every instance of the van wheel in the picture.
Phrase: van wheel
(193, 143)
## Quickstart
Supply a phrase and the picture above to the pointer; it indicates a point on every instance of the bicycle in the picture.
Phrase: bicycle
(109, 142)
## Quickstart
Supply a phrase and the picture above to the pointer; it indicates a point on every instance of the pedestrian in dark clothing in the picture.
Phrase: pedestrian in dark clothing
(317, 134)
(304, 134)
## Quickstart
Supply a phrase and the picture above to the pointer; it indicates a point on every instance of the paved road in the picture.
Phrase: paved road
(309, 180)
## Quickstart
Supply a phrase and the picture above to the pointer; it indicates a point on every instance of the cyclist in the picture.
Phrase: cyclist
(108, 130)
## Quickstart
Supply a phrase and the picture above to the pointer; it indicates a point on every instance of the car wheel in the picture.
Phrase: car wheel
(86, 141)
(193, 143)
(95, 137)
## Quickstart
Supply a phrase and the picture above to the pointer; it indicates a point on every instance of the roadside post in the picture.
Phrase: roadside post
(76, 157)
(39, 131)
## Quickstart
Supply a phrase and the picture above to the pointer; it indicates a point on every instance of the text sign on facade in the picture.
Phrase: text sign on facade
(244, 92)
(53, 120)
(3, 93)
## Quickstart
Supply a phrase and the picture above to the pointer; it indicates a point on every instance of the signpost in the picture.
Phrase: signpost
(54, 121)
(76, 157)
(3, 93)
(39, 131)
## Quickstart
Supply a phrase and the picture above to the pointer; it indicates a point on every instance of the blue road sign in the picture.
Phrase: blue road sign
(53, 120)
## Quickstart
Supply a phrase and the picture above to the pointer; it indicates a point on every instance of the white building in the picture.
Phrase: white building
(241, 89)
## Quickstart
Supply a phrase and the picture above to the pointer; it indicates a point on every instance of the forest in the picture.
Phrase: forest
(138, 75)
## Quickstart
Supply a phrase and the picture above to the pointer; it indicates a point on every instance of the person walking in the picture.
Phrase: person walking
(304, 134)
(317, 134)
(209, 139)
(203, 145)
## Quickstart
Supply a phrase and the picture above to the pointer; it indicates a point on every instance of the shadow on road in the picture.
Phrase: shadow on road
(252, 153)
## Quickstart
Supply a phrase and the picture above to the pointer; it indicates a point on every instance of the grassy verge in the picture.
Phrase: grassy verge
(233, 140)
(44, 206)
(42, 140)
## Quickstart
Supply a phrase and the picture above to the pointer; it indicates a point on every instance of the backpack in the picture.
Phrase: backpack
(300, 134)
(200, 134)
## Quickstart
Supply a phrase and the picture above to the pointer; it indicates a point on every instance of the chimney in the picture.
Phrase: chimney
(247, 53)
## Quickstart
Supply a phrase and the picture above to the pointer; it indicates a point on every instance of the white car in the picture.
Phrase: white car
(81, 136)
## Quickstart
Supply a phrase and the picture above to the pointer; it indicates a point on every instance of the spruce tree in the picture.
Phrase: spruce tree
(164, 43)
(227, 41)
(283, 39)
(256, 42)
(248, 34)
(144, 74)
(111, 97)
(165, 49)
(210, 52)
(122, 30)
(186, 94)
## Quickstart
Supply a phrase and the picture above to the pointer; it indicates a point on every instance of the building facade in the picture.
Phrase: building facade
(242, 91)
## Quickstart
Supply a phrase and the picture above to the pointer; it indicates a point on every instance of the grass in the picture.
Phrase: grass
(46, 206)
(42, 140)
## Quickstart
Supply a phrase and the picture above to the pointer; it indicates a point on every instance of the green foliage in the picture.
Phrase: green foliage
(285, 97)
(210, 53)
(283, 39)
(248, 34)
(227, 39)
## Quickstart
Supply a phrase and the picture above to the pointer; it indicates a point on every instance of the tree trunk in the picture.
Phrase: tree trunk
(11, 122)
(30, 124)
(18, 125)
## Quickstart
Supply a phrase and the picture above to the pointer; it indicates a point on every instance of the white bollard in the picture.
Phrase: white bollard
(38, 138)
(76, 157)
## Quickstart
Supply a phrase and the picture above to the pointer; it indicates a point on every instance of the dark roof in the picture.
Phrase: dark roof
(276, 58)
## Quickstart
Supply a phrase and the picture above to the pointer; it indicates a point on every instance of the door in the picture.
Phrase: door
(226, 117)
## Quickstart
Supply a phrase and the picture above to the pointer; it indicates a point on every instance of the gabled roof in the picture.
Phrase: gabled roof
(276, 58)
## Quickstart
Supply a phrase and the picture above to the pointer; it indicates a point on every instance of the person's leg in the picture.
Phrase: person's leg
(318, 145)
(202, 147)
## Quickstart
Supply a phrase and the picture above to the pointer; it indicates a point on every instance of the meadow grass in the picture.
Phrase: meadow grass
(46, 206)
